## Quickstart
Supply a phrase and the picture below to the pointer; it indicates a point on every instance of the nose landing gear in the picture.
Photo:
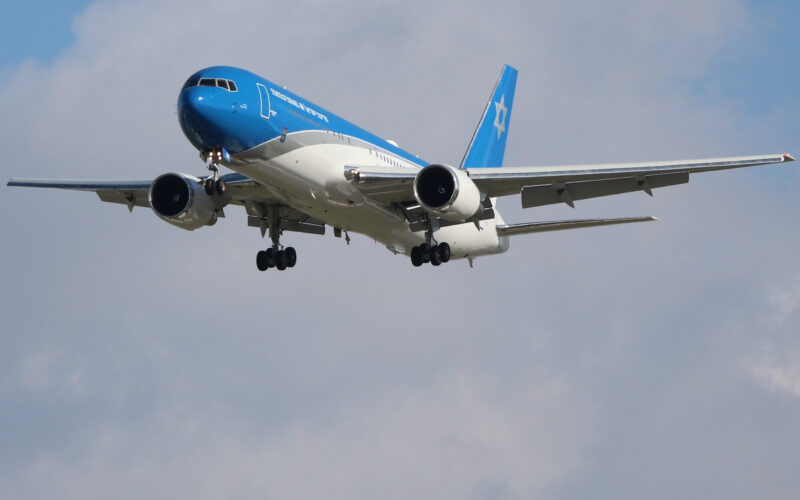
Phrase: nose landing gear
(215, 184)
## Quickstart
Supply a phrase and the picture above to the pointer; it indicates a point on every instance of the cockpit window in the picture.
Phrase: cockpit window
(211, 82)
(191, 82)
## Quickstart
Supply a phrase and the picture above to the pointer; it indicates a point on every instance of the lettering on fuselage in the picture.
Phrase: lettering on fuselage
(299, 105)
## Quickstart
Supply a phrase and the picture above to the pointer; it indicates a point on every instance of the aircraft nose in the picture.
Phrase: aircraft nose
(203, 118)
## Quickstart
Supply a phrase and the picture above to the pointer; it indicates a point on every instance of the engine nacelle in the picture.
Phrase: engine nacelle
(182, 201)
(447, 192)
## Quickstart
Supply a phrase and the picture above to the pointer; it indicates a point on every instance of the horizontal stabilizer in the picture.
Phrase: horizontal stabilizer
(540, 227)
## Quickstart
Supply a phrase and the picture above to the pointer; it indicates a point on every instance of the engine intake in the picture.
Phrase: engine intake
(447, 192)
(182, 201)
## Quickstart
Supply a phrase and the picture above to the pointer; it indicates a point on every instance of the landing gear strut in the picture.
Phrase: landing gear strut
(276, 256)
(215, 184)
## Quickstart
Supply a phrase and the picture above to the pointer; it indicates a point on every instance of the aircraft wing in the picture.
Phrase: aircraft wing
(261, 204)
(128, 192)
(562, 184)
(546, 185)
(134, 192)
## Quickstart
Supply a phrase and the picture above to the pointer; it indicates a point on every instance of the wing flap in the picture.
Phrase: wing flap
(546, 194)
(136, 198)
(312, 227)
(540, 227)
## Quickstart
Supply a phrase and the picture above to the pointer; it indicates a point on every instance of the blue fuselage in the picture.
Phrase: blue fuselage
(255, 112)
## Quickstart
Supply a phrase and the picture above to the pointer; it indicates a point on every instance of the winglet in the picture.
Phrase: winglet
(788, 157)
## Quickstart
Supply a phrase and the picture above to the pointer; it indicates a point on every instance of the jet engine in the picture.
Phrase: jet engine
(447, 192)
(182, 201)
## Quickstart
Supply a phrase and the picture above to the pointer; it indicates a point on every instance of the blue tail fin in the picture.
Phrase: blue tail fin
(489, 142)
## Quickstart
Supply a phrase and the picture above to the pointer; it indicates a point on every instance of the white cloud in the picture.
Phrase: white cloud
(784, 301)
(779, 375)
(458, 438)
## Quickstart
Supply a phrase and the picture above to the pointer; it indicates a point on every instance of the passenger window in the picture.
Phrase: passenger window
(232, 86)
(207, 82)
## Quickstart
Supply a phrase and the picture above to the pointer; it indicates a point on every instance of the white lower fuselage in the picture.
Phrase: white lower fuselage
(306, 172)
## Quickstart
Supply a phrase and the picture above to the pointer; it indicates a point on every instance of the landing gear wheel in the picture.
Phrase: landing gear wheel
(280, 260)
(270, 256)
(416, 256)
(261, 261)
(435, 258)
(291, 257)
(208, 184)
(426, 252)
(220, 186)
(444, 252)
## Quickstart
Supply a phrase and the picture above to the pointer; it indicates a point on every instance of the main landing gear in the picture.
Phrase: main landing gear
(435, 254)
(273, 257)
(276, 256)
(215, 184)
(429, 251)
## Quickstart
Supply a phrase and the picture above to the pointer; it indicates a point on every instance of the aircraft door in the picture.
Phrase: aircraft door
(263, 94)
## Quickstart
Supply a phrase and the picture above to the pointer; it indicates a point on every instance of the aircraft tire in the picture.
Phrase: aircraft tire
(435, 258)
(262, 261)
(208, 184)
(416, 256)
(280, 260)
(291, 257)
(270, 256)
(221, 186)
(444, 252)
(426, 253)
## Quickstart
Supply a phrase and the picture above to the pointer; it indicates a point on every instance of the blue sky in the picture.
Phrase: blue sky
(762, 69)
(37, 29)
(655, 361)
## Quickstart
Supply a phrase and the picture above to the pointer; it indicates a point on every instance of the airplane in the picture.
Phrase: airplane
(298, 167)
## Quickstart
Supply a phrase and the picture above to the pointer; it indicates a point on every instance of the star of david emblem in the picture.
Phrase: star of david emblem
(501, 111)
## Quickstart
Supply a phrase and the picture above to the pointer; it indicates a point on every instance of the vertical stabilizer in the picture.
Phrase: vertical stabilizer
(488, 144)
